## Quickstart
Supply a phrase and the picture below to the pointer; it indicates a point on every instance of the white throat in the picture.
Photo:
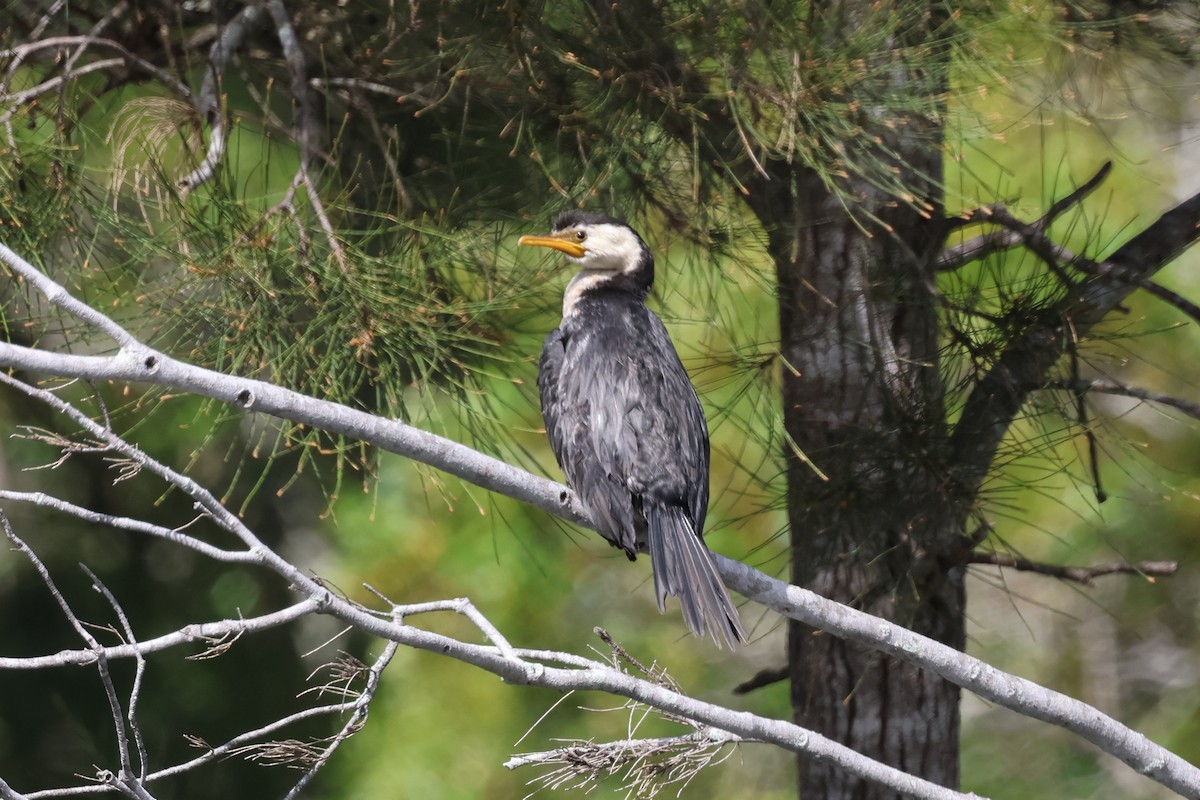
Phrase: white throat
(585, 280)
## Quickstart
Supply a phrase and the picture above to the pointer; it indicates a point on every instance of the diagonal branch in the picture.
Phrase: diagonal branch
(980, 678)
(512, 665)
(1109, 386)
(1027, 361)
(1014, 231)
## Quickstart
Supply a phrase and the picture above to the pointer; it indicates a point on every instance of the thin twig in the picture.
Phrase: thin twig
(764, 677)
(1109, 386)
(1088, 186)
(139, 673)
(1081, 414)
(208, 632)
(174, 535)
(233, 745)
(125, 781)
(357, 719)
(1084, 575)
(1016, 232)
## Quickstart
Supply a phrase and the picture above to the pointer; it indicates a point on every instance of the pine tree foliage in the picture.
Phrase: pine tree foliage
(438, 129)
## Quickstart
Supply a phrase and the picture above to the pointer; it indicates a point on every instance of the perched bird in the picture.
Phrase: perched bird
(624, 421)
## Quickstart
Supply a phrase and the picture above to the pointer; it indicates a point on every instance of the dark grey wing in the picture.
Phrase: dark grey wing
(629, 432)
(549, 368)
(658, 440)
(665, 443)
(645, 426)
(567, 375)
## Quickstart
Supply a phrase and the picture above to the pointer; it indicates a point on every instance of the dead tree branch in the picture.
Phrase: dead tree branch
(213, 634)
(514, 666)
(135, 691)
(1084, 575)
(1012, 692)
(354, 723)
(174, 535)
(125, 780)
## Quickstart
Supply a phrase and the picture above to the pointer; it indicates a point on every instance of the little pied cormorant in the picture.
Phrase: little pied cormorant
(624, 420)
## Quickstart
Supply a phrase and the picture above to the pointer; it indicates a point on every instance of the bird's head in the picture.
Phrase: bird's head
(609, 251)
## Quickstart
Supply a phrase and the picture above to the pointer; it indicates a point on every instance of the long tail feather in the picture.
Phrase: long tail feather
(684, 568)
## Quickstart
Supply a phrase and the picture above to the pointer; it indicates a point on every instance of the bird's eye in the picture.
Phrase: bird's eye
(580, 235)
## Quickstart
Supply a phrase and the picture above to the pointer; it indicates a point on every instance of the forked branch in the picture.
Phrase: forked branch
(1026, 362)
(1013, 231)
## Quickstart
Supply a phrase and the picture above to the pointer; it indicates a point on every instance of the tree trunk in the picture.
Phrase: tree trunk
(880, 527)
(881, 530)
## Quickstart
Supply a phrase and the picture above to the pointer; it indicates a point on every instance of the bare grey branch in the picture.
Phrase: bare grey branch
(209, 103)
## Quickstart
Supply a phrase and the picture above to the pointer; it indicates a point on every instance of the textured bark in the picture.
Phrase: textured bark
(864, 401)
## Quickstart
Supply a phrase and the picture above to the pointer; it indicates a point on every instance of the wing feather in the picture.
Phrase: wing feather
(629, 433)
